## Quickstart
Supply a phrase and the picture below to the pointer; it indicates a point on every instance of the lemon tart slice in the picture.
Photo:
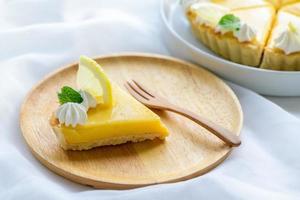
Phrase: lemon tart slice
(240, 4)
(280, 3)
(293, 8)
(283, 49)
(246, 43)
(117, 118)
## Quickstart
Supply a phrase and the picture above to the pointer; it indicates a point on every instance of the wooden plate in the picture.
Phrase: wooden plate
(189, 151)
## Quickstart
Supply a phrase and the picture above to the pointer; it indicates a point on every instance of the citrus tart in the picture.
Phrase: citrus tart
(264, 34)
(283, 49)
(100, 113)
(239, 4)
(237, 34)
(280, 3)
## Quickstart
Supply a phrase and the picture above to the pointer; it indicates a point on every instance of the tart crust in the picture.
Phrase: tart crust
(103, 142)
(277, 60)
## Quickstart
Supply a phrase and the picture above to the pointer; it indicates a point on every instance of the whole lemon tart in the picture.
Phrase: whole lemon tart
(256, 33)
(238, 34)
(101, 113)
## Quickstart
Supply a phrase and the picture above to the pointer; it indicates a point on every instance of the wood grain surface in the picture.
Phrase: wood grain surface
(189, 151)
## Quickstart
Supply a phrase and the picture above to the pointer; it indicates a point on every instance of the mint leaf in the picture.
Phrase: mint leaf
(68, 94)
(230, 22)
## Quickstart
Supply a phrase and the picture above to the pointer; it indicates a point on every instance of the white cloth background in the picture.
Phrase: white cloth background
(38, 36)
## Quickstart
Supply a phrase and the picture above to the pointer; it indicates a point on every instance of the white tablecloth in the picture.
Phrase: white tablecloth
(38, 36)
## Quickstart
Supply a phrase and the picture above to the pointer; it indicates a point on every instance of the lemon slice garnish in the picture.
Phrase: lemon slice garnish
(91, 78)
(209, 13)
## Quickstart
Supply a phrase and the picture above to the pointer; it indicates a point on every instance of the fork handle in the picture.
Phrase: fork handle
(225, 135)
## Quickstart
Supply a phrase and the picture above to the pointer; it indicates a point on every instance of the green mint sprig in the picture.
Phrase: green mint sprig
(68, 94)
(230, 22)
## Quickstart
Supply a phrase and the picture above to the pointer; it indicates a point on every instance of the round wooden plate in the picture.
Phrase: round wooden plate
(189, 151)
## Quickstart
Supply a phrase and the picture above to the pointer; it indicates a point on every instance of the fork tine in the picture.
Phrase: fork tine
(142, 88)
(134, 93)
(138, 90)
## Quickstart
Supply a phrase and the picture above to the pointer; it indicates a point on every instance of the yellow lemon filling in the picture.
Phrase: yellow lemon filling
(126, 117)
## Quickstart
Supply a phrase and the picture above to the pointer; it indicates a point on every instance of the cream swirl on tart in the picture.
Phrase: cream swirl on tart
(288, 40)
(241, 30)
(71, 114)
(245, 33)
(88, 100)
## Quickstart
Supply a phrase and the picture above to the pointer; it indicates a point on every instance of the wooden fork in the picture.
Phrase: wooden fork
(153, 100)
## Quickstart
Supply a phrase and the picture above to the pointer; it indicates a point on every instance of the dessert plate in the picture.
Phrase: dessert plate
(182, 43)
(189, 150)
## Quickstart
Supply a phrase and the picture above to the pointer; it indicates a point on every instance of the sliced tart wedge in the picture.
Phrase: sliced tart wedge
(240, 4)
(227, 45)
(281, 51)
(128, 120)
(118, 118)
